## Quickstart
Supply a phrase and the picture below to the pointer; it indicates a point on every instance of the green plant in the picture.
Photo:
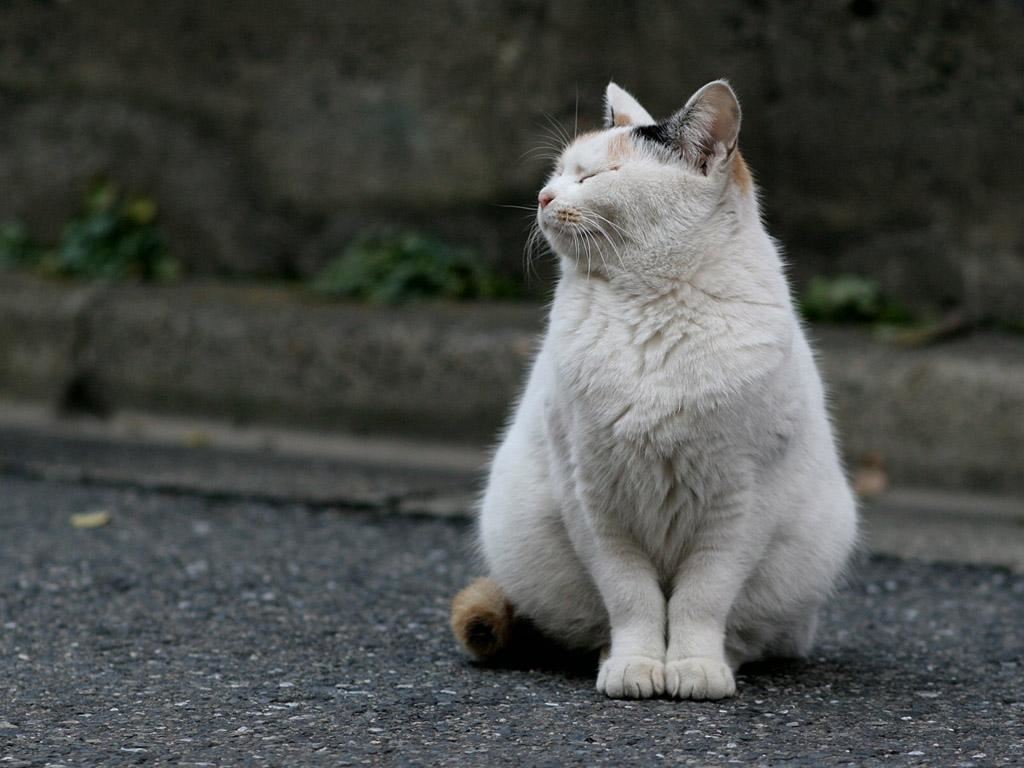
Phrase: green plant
(849, 299)
(17, 249)
(114, 237)
(389, 268)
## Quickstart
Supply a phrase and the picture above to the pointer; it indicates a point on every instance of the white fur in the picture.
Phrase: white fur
(669, 489)
(620, 105)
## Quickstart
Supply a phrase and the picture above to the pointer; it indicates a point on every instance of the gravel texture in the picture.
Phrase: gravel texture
(191, 631)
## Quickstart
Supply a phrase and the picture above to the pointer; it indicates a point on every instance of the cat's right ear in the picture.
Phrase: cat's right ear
(706, 131)
(622, 109)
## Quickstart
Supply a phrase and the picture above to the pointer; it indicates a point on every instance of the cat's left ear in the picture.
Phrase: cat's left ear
(706, 131)
(622, 109)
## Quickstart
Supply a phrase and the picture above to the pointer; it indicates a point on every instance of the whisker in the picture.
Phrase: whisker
(536, 245)
(585, 238)
(576, 115)
(589, 217)
(553, 149)
(530, 208)
(527, 254)
(608, 221)
(576, 245)
(596, 245)
(559, 128)
(550, 139)
(600, 251)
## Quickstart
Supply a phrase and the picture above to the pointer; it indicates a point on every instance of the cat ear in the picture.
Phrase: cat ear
(705, 132)
(622, 109)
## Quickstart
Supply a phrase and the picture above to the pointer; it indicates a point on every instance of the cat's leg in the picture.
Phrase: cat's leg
(704, 590)
(628, 583)
(797, 573)
(528, 552)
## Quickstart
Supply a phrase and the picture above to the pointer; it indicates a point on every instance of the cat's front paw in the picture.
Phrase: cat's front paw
(699, 678)
(631, 677)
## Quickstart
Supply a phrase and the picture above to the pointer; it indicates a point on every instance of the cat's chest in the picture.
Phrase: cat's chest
(661, 490)
(636, 381)
(632, 423)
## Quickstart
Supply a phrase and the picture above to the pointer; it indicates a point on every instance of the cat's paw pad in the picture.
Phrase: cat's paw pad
(631, 677)
(699, 678)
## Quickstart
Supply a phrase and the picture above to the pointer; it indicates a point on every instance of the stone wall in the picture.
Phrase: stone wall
(888, 137)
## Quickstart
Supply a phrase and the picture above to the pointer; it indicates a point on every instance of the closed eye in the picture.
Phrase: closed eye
(595, 173)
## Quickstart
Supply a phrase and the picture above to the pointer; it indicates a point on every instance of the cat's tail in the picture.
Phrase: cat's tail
(482, 618)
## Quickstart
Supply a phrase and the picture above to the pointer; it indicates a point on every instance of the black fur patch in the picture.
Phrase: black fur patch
(658, 133)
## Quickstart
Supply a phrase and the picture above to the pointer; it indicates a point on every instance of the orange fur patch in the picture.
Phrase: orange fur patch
(741, 173)
(620, 147)
(481, 618)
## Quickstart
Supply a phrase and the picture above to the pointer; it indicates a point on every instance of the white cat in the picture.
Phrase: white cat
(669, 490)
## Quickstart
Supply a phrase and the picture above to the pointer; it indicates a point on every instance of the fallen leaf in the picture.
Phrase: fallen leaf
(870, 478)
(196, 438)
(90, 519)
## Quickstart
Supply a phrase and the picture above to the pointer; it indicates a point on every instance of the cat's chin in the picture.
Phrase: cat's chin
(558, 237)
(564, 238)
(578, 244)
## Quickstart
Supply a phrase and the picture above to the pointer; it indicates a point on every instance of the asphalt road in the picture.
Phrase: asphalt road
(194, 630)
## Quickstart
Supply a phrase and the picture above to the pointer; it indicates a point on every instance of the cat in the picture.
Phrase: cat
(669, 491)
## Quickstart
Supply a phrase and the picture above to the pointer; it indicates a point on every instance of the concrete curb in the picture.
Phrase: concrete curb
(949, 416)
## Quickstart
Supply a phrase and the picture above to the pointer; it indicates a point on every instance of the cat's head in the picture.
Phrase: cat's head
(643, 195)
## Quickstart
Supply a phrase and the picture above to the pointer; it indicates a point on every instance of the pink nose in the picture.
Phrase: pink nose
(544, 198)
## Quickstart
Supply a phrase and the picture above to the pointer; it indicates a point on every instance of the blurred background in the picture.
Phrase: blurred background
(264, 309)
(263, 212)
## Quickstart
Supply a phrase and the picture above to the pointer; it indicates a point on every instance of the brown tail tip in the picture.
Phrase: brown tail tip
(482, 618)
